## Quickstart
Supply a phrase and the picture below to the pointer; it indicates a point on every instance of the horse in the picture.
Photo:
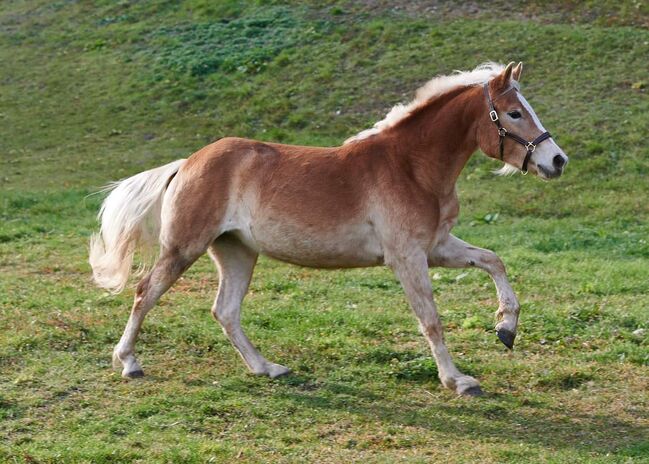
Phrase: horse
(386, 196)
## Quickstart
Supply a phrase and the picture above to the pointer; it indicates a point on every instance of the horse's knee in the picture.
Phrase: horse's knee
(493, 263)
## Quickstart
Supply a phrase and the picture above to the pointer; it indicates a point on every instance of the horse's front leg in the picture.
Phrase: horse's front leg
(453, 252)
(411, 268)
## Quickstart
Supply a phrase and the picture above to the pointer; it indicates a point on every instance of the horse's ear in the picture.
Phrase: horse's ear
(516, 72)
(502, 80)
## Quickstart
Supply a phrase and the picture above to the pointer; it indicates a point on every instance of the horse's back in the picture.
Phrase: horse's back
(306, 205)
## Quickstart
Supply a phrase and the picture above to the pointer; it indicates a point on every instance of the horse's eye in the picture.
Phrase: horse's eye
(514, 114)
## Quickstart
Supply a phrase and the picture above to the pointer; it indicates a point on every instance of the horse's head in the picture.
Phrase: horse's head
(509, 129)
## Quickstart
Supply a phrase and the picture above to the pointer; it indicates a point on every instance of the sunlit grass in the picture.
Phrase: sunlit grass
(93, 93)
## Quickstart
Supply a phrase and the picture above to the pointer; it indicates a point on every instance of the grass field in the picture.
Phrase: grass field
(95, 91)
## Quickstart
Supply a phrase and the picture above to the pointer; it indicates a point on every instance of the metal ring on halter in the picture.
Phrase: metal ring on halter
(530, 147)
(502, 131)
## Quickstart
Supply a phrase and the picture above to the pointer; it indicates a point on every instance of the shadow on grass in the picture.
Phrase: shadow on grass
(493, 416)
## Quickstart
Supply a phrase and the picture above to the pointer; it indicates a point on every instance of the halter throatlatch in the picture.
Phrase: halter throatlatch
(502, 132)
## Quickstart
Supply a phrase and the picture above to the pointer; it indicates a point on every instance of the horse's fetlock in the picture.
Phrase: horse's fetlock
(120, 354)
(448, 382)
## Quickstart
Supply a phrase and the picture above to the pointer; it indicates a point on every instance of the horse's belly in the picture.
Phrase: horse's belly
(350, 245)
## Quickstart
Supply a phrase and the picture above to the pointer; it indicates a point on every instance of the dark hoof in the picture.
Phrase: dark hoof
(134, 375)
(472, 391)
(506, 337)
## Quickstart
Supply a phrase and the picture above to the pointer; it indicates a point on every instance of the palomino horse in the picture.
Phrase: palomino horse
(386, 196)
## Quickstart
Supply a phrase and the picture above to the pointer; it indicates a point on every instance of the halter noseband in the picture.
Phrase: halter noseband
(502, 132)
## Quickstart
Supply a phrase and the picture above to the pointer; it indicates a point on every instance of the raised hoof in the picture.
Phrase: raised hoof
(133, 374)
(472, 391)
(506, 337)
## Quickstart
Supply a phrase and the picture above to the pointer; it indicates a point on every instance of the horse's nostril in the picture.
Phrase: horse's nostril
(559, 161)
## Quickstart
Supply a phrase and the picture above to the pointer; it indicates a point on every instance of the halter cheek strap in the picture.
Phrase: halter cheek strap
(502, 132)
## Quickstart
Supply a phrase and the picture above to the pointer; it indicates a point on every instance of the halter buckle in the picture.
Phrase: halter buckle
(493, 115)
(530, 147)
(502, 131)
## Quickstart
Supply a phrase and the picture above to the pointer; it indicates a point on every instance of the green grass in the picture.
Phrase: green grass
(93, 92)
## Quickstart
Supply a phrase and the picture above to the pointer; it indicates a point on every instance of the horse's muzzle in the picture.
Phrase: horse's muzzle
(559, 162)
(550, 173)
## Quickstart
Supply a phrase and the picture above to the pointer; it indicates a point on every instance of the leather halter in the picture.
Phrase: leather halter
(502, 132)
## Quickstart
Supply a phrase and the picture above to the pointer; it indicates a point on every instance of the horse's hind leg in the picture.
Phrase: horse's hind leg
(165, 272)
(235, 262)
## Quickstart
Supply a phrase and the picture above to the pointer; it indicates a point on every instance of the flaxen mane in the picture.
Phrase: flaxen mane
(435, 87)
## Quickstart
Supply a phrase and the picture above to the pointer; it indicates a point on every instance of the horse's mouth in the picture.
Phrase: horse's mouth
(547, 174)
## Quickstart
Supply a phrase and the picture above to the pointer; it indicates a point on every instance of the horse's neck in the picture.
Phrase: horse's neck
(437, 140)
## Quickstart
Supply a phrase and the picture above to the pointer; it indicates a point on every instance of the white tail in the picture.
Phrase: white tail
(130, 219)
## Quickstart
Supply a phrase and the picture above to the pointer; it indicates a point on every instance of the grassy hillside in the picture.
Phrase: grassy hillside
(95, 91)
